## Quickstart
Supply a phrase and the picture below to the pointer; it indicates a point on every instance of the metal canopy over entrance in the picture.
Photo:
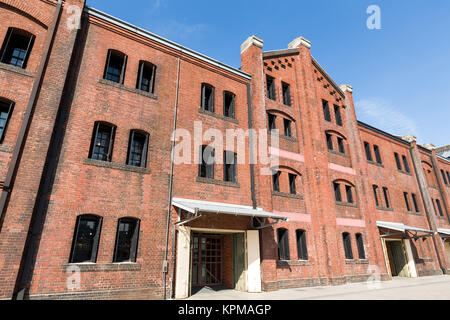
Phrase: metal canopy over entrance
(197, 207)
(400, 229)
(445, 233)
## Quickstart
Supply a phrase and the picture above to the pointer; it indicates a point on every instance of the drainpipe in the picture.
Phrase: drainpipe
(18, 148)
(165, 262)
(250, 138)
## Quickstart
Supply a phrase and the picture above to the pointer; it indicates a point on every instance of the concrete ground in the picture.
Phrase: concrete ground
(424, 288)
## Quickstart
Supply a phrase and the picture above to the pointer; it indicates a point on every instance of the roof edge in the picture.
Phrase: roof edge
(130, 27)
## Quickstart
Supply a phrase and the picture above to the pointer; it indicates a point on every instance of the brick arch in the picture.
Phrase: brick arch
(9, 95)
(282, 113)
(336, 133)
(33, 11)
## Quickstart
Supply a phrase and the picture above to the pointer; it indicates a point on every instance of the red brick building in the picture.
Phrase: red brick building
(95, 204)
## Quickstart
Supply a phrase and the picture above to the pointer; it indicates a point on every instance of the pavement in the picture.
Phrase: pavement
(423, 288)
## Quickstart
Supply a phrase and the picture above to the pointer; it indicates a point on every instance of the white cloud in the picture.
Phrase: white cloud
(385, 116)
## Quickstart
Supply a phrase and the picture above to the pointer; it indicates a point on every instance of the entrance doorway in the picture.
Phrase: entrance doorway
(447, 249)
(397, 258)
(207, 260)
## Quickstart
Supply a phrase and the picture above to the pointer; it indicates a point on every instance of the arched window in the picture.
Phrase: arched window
(102, 141)
(332, 136)
(340, 186)
(116, 64)
(17, 47)
(126, 240)
(137, 149)
(229, 99)
(86, 239)
(146, 77)
(6, 108)
(347, 245)
(360, 243)
(283, 244)
(302, 249)
(207, 97)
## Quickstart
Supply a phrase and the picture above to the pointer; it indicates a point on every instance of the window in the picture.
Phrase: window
(341, 145)
(146, 77)
(272, 123)
(397, 161)
(302, 249)
(137, 149)
(283, 244)
(405, 196)
(329, 141)
(337, 192)
(206, 168)
(444, 178)
(368, 151)
(270, 88)
(86, 239)
(376, 149)
(102, 141)
(207, 97)
(438, 204)
(116, 64)
(17, 47)
(360, 244)
(375, 194)
(337, 113)
(326, 110)
(416, 206)
(448, 176)
(286, 94)
(386, 197)
(292, 186)
(228, 104)
(126, 240)
(6, 108)
(276, 181)
(287, 128)
(347, 245)
(405, 164)
(348, 191)
(230, 173)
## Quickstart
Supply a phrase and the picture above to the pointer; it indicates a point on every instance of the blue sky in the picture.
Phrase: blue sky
(400, 74)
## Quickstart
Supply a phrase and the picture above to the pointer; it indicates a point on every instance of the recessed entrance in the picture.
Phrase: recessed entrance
(397, 258)
(207, 260)
(447, 248)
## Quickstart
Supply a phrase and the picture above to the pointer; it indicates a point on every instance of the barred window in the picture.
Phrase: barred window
(146, 77)
(126, 240)
(86, 239)
(283, 244)
(137, 149)
(17, 47)
(207, 97)
(116, 64)
(102, 141)
(6, 108)
(302, 249)
(347, 245)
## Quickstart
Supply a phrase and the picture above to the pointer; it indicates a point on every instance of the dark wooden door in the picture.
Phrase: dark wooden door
(206, 260)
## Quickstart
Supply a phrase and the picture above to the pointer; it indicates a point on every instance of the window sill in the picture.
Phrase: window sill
(375, 163)
(287, 195)
(338, 153)
(422, 260)
(415, 213)
(121, 86)
(6, 149)
(218, 182)
(101, 267)
(356, 261)
(404, 172)
(442, 218)
(218, 116)
(346, 204)
(24, 72)
(116, 166)
(271, 132)
(285, 263)
(385, 209)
